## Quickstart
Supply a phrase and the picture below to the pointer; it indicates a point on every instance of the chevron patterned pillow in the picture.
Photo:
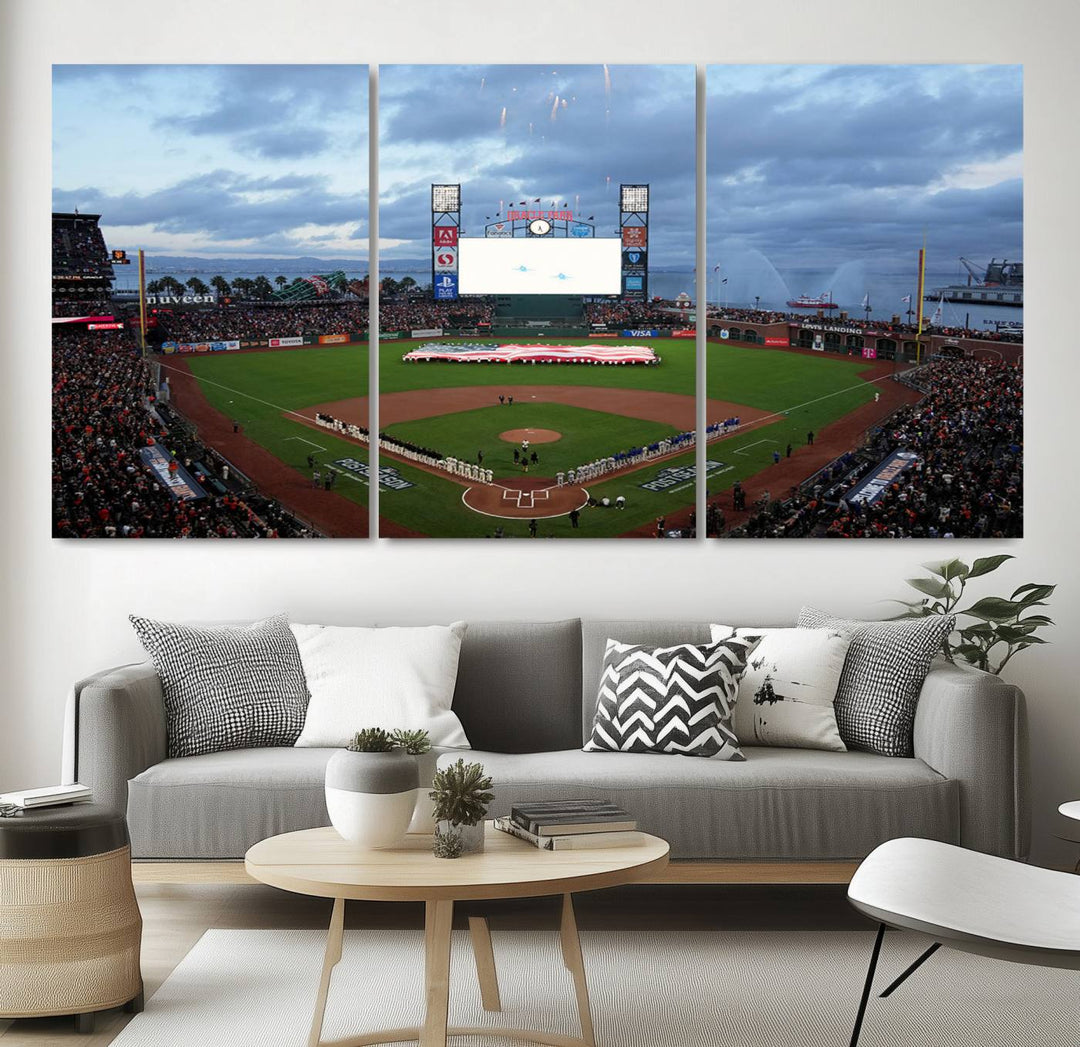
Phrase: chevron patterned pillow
(670, 699)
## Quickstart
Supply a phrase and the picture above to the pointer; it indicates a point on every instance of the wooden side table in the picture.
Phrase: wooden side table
(70, 927)
(319, 862)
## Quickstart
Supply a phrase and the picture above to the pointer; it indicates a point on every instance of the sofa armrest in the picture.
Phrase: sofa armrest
(972, 727)
(115, 729)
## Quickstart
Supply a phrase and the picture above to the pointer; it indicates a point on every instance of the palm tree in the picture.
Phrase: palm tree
(280, 281)
(261, 287)
(221, 285)
(196, 286)
(154, 287)
(171, 285)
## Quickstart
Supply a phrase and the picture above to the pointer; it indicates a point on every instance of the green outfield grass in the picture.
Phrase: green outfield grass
(587, 435)
(253, 388)
(813, 390)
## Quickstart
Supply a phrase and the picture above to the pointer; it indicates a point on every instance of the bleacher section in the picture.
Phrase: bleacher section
(542, 311)
(82, 273)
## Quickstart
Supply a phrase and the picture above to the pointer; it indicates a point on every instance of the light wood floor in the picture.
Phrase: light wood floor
(175, 916)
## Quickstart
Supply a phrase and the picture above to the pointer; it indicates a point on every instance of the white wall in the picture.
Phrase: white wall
(65, 603)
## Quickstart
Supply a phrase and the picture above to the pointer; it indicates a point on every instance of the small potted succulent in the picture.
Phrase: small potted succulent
(372, 786)
(460, 794)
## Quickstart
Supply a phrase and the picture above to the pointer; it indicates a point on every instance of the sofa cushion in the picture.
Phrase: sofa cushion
(781, 804)
(219, 804)
(594, 637)
(519, 685)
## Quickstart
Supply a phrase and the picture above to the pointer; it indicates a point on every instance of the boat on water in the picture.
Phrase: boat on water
(821, 301)
(1001, 283)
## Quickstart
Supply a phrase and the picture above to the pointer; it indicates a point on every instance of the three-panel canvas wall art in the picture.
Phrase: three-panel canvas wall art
(533, 321)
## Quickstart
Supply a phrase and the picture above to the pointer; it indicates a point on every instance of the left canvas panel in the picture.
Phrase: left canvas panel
(210, 301)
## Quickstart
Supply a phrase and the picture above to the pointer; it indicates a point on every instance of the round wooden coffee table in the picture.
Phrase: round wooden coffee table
(319, 862)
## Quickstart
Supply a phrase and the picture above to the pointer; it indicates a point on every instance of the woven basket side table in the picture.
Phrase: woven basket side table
(70, 928)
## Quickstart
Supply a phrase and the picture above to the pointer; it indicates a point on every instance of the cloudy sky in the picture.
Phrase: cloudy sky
(816, 166)
(217, 161)
(516, 132)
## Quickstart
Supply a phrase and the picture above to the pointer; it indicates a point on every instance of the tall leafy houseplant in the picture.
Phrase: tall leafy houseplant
(1002, 626)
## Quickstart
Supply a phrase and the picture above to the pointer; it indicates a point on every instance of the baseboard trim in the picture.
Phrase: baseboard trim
(152, 872)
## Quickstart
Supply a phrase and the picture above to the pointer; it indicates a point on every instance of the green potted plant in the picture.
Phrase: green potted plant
(460, 794)
(1002, 626)
(372, 786)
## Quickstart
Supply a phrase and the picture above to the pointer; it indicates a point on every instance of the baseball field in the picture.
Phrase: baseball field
(571, 414)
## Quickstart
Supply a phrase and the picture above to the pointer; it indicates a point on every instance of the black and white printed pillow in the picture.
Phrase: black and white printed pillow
(883, 675)
(670, 699)
(227, 687)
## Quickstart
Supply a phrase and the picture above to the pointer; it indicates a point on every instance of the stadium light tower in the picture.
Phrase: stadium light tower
(445, 229)
(634, 231)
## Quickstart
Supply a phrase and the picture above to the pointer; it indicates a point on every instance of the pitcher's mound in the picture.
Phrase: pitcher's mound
(534, 436)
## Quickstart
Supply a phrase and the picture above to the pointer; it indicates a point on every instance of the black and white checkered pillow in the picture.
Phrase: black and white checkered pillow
(883, 675)
(227, 687)
(670, 699)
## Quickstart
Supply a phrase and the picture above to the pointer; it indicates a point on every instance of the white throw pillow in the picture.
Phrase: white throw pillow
(787, 692)
(389, 678)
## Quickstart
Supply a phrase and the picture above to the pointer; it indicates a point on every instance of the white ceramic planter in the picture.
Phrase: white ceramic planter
(371, 797)
(423, 819)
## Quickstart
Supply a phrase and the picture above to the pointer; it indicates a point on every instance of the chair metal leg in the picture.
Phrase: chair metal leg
(912, 969)
(868, 986)
(84, 1023)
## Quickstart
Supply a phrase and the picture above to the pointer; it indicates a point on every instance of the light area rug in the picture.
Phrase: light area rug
(256, 988)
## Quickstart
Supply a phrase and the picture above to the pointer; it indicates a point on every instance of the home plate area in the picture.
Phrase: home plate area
(538, 499)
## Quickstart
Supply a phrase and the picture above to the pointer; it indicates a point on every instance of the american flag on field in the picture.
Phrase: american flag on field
(466, 353)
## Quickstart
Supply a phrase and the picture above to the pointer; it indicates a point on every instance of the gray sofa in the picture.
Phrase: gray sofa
(526, 694)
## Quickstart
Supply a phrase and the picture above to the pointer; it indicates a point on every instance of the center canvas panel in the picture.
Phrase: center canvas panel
(536, 310)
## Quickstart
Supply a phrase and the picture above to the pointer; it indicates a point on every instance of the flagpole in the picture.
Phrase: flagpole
(142, 303)
(922, 281)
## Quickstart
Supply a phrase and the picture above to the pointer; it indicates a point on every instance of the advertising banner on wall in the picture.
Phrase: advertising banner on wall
(869, 352)
(876, 482)
(177, 481)
(446, 285)
(445, 259)
(429, 332)
(684, 332)
(641, 332)
(333, 339)
(633, 236)
(276, 343)
(500, 229)
(773, 340)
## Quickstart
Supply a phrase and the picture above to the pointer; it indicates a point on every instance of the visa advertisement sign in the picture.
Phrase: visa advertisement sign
(446, 287)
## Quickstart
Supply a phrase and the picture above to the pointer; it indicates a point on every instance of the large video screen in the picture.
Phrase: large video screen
(539, 265)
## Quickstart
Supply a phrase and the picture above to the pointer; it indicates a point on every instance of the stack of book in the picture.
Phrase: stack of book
(567, 825)
(50, 796)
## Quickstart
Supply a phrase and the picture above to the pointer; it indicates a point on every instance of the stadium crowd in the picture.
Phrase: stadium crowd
(230, 322)
(632, 314)
(78, 248)
(967, 481)
(419, 314)
(104, 412)
(771, 316)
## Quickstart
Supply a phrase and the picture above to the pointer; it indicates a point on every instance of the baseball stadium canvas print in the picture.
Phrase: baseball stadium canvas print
(865, 301)
(536, 310)
(210, 294)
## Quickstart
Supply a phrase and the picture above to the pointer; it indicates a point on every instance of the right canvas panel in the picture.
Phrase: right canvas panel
(865, 301)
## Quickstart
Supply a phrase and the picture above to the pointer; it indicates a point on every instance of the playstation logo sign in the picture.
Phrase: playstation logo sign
(446, 287)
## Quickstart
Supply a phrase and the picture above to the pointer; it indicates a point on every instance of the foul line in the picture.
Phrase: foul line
(310, 443)
(238, 392)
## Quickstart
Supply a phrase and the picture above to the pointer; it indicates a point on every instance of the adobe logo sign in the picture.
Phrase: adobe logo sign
(444, 236)
(445, 259)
